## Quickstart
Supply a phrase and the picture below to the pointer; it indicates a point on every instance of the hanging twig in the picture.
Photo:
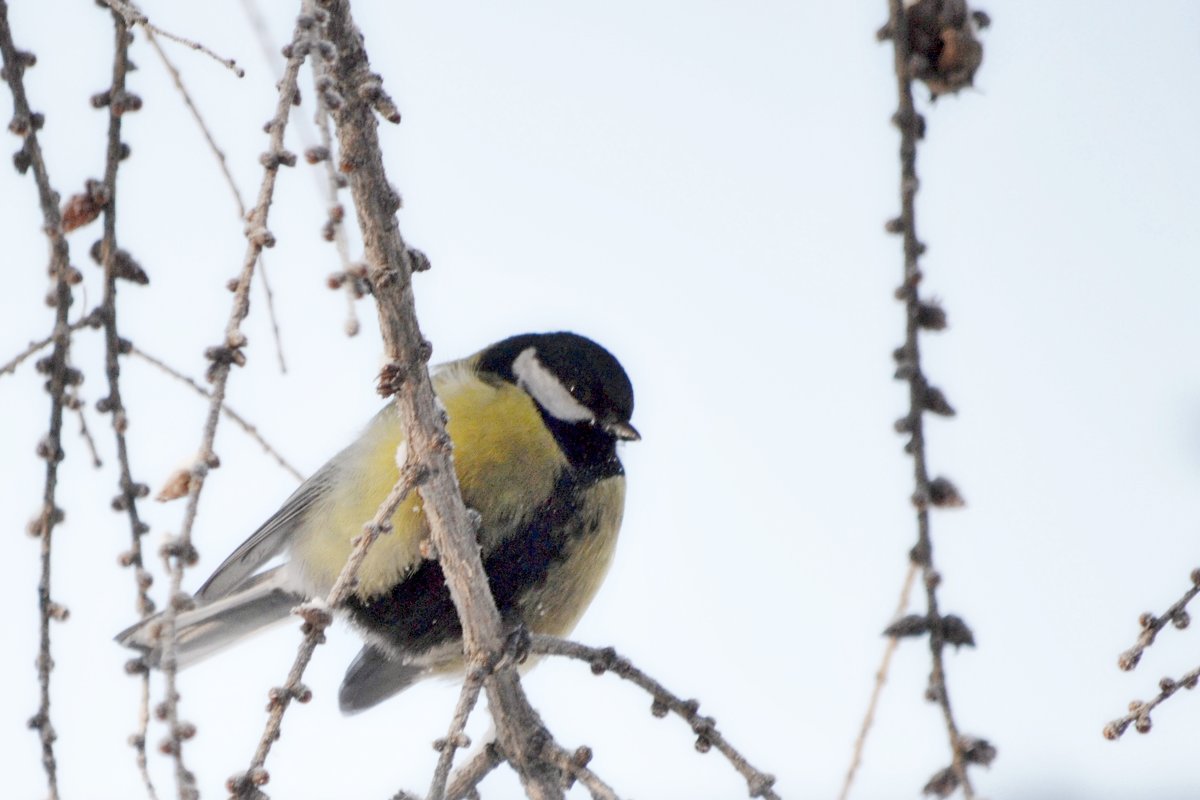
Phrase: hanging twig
(25, 124)
(334, 228)
(923, 397)
(234, 416)
(119, 103)
(352, 278)
(179, 553)
(880, 679)
(76, 405)
(133, 16)
(219, 154)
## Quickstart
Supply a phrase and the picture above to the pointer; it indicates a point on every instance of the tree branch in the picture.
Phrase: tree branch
(90, 320)
(25, 124)
(1178, 616)
(923, 397)
(237, 418)
(129, 490)
(223, 164)
(133, 16)
(521, 733)
(880, 679)
(455, 737)
(180, 552)
(601, 660)
(317, 617)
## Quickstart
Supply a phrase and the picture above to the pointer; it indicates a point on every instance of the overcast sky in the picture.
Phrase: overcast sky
(702, 188)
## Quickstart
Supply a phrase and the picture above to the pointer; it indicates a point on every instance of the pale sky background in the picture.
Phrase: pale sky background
(701, 187)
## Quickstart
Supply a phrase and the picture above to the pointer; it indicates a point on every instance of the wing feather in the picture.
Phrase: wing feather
(268, 541)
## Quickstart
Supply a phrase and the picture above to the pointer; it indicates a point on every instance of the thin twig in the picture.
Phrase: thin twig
(923, 397)
(881, 675)
(25, 123)
(317, 617)
(134, 16)
(33, 348)
(519, 730)
(214, 148)
(468, 777)
(601, 660)
(222, 163)
(129, 489)
(455, 737)
(1139, 712)
(180, 552)
(138, 740)
(88, 320)
(234, 416)
(77, 406)
(575, 766)
(272, 56)
(1151, 625)
(335, 228)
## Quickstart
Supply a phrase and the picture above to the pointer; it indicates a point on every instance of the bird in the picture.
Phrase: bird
(535, 421)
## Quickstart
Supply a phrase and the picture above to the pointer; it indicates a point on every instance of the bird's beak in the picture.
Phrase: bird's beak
(623, 431)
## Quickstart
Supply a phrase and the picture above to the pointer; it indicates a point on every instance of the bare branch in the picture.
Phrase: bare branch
(455, 737)
(606, 659)
(469, 776)
(1151, 624)
(317, 617)
(880, 679)
(84, 433)
(1139, 712)
(334, 227)
(234, 416)
(923, 397)
(180, 552)
(90, 320)
(25, 124)
(219, 154)
(575, 765)
(352, 278)
(1176, 614)
(519, 729)
(138, 740)
(118, 102)
(133, 16)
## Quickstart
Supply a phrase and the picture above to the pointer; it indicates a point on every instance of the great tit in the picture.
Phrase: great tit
(535, 420)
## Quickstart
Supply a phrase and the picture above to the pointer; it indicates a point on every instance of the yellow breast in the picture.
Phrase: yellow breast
(506, 461)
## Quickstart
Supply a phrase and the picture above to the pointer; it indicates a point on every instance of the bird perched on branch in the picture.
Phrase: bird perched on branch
(535, 420)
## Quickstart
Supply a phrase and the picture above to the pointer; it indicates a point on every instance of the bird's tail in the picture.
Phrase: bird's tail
(210, 628)
(373, 677)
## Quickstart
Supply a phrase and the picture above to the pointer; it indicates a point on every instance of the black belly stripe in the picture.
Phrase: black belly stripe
(418, 614)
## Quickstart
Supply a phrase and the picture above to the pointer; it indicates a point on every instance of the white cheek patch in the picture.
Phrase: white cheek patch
(546, 389)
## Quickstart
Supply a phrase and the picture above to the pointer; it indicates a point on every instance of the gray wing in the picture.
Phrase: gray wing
(373, 677)
(266, 542)
(207, 629)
